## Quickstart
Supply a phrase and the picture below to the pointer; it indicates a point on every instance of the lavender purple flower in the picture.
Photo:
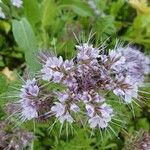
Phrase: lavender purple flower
(100, 116)
(55, 69)
(35, 101)
(29, 91)
(65, 107)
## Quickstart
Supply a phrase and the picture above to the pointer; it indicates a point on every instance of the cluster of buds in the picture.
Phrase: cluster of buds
(139, 141)
(14, 140)
(86, 79)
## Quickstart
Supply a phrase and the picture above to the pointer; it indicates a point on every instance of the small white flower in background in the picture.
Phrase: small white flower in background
(92, 4)
(2, 15)
(17, 3)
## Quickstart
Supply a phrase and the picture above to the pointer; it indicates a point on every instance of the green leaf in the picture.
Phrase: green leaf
(105, 27)
(49, 10)
(3, 83)
(32, 11)
(143, 123)
(116, 6)
(26, 39)
(79, 7)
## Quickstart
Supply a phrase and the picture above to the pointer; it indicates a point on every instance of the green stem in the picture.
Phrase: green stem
(32, 145)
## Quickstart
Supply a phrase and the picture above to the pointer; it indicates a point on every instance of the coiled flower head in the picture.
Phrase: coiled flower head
(29, 92)
(34, 102)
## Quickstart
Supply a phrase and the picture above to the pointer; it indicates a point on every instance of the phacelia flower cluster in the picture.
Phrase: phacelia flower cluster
(86, 79)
